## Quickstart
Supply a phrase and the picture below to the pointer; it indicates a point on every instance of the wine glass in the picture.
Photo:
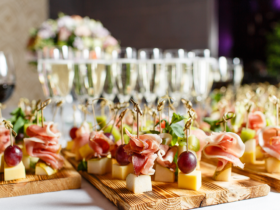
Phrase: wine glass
(203, 68)
(177, 70)
(124, 63)
(55, 69)
(150, 80)
(7, 76)
(89, 74)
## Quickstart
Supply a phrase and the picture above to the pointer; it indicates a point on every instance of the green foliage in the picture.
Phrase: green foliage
(18, 120)
(213, 125)
(273, 51)
(82, 166)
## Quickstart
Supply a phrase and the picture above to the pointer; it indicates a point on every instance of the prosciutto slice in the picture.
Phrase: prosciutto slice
(43, 143)
(225, 146)
(142, 151)
(82, 137)
(100, 144)
(256, 120)
(143, 164)
(166, 156)
(202, 137)
(4, 138)
(145, 144)
(269, 141)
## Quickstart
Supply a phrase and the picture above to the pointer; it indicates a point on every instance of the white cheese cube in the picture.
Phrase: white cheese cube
(99, 166)
(272, 165)
(2, 162)
(139, 184)
(121, 172)
(223, 175)
(191, 181)
(164, 174)
(14, 172)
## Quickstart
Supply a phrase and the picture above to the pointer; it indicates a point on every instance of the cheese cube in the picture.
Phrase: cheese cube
(44, 169)
(2, 162)
(121, 172)
(259, 153)
(14, 172)
(69, 145)
(198, 165)
(191, 181)
(78, 156)
(164, 174)
(249, 155)
(99, 166)
(225, 174)
(85, 151)
(272, 165)
(139, 184)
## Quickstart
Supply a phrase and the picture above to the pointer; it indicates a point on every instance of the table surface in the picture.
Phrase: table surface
(88, 197)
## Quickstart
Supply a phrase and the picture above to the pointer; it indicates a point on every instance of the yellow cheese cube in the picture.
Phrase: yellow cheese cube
(272, 165)
(15, 172)
(99, 166)
(78, 156)
(191, 181)
(2, 162)
(85, 151)
(225, 174)
(121, 172)
(259, 153)
(44, 169)
(26, 161)
(24, 150)
(139, 184)
(164, 174)
(69, 145)
(114, 161)
(248, 157)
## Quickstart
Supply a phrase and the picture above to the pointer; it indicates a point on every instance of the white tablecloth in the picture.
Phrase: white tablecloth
(88, 197)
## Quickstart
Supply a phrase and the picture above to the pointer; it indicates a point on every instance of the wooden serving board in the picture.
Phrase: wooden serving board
(169, 196)
(66, 179)
(255, 172)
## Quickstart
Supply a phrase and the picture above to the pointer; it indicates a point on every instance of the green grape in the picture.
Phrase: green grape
(247, 134)
(101, 120)
(115, 132)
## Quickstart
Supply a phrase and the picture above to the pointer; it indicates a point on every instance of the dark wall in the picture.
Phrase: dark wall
(165, 24)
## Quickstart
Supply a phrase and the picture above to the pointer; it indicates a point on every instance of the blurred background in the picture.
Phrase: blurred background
(247, 29)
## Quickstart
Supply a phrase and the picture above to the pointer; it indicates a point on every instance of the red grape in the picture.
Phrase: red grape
(12, 155)
(19, 136)
(187, 162)
(72, 132)
(110, 136)
(121, 156)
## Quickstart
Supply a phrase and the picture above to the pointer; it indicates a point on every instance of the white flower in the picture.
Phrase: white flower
(78, 43)
(82, 30)
(110, 41)
(66, 21)
(47, 30)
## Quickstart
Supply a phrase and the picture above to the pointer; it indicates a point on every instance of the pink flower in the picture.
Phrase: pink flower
(82, 31)
(63, 34)
(110, 41)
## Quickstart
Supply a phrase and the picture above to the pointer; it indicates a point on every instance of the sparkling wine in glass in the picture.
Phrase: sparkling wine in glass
(124, 63)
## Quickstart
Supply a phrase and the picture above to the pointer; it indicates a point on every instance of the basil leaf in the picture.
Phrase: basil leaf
(178, 130)
(82, 166)
(176, 118)
(18, 124)
(174, 140)
(15, 111)
(153, 132)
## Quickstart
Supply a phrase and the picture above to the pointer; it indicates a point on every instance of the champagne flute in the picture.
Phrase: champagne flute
(7, 76)
(150, 80)
(124, 63)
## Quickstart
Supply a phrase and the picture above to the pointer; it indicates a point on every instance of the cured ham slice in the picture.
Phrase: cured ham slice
(82, 137)
(256, 120)
(43, 143)
(100, 144)
(270, 141)
(166, 156)
(202, 137)
(143, 151)
(145, 144)
(4, 138)
(143, 164)
(225, 146)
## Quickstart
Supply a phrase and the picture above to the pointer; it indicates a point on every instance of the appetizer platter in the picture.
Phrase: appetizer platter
(257, 124)
(140, 163)
(30, 155)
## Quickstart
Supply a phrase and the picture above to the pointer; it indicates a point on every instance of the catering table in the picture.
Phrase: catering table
(88, 197)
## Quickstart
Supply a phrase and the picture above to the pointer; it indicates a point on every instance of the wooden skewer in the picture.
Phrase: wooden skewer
(121, 120)
(43, 106)
(9, 126)
(58, 104)
(139, 112)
